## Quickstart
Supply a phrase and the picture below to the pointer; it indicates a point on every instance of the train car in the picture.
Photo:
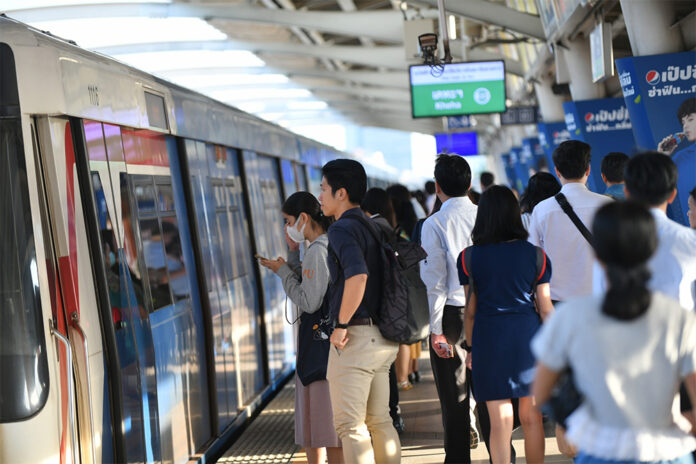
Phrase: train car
(135, 323)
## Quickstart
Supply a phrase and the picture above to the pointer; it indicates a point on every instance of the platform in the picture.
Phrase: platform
(270, 437)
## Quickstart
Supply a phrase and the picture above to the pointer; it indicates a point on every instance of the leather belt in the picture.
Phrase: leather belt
(361, 321)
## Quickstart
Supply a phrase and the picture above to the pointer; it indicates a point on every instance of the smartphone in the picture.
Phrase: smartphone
(258, 256)
(448, 349)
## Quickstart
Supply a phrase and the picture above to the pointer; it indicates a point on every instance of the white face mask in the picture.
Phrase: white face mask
(296, 235)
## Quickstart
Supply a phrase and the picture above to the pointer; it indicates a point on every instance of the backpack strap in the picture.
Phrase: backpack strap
(568, 209)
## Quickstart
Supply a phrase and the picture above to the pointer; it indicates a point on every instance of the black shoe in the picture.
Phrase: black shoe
(416, 377)
(412, 378)
(399, 425)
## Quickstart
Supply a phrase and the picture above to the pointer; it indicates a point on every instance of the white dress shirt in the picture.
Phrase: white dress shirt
(445, 234)
(673, 266)
(552, 230)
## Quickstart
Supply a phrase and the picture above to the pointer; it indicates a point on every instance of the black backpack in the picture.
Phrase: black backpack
(404, 316)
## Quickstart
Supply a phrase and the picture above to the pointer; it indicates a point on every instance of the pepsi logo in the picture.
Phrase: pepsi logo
(588, 117)
(652, 77)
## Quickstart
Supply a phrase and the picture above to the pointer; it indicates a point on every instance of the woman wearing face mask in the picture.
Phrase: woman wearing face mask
(305, 284)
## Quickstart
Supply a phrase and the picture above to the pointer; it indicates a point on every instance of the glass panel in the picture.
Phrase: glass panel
(300, 170)
(155, 261)
(23, 364)
(165, 196)
(178, 280)
(288, 172)
(144, 194)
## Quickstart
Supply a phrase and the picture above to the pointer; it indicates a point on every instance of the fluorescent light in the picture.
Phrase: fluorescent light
(12, 5)
(101, 32)
(307, 105)
(202, 81)
(452, 27)
(233, 95)
(192, 59)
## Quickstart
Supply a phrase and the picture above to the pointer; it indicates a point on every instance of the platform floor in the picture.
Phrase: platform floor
(270, 437)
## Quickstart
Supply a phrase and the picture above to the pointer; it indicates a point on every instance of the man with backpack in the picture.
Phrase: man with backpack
(445, 234)
(360, 357)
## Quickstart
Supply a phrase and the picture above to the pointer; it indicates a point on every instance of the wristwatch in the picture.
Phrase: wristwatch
(467, 347)
(341, 326)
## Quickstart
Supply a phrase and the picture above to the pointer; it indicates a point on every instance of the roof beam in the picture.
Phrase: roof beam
(384, 25)
(494, 13)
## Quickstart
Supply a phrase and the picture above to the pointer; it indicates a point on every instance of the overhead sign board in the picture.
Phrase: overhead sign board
(520, 115)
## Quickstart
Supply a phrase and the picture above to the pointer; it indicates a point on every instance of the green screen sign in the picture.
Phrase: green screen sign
(456, 89)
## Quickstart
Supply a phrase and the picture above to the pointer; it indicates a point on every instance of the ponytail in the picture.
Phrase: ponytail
(625, 238)
(628, 296)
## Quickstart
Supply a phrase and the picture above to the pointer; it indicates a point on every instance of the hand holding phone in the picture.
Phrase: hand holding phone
(447, 348)
(258, 256)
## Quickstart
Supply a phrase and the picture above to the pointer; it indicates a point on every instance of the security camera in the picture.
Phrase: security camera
(428, 46)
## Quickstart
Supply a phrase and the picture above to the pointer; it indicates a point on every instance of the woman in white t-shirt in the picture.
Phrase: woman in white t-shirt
(629, 350)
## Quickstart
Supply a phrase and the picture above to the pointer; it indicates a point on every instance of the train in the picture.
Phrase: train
(135, 324)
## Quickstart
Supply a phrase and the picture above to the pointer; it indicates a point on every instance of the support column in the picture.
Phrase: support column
(648, 23)
(550, 104)
(580, 71)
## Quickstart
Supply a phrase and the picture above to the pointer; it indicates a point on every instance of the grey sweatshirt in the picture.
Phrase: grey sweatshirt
(306, 282)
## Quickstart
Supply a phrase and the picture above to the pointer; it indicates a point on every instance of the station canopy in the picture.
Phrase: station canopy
(299, 62)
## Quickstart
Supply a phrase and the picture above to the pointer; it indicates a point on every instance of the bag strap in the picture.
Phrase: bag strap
(466, 267)
(565, 206)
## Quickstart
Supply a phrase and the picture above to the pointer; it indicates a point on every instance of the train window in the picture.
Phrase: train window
(166, 197)
(144, 194)
(23, 363)
(155, 262)
(288, 172)
(178, 280)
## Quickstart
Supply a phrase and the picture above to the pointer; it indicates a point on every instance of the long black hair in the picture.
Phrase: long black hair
(304, 202)
(377, 201)
(403, 208)
(498, 218)
(541, 186)
(625, 238)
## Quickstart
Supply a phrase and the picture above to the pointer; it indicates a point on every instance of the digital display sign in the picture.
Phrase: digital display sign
(457, 88)
(459, 143)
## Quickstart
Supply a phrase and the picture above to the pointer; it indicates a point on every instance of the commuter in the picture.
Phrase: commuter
(691, 214)
(541, 186)
(305, 283)
(444, 235)
(377, 205)
(360, 357)
(487, 179)
(431, 197)
(628, 350)
(406, 216)
(613, 174)
(505, 306)
(551, 229)
(651, 179)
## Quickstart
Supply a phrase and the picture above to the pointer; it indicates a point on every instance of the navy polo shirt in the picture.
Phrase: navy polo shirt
(355, 252)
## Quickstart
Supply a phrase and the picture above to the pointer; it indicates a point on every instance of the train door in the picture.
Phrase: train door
(221, 221)
(265, 198)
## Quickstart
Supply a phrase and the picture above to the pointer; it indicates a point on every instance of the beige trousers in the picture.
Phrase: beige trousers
(359, 384)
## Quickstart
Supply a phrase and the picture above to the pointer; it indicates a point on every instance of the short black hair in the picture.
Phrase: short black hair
(430, 187)
(453, 175)
(378, 201)
(541, 186)
(487, 179)
(693, 193)
(498, 217)
(687, 107)
(572, 158)
(613, 166)
(348, 174)
(650, 178)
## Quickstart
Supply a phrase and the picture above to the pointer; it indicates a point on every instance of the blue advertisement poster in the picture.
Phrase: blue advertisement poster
(660, 94)
(460, 143)
(521, 167)
(551, 134)
(509, 170)
(605, 125)
(534, 154)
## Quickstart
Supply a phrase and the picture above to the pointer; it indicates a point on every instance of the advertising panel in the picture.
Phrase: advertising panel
(457, 88)
(660, 94)
(551, 134)
(605, 125)
(460, 143)
(520, 165)
(509, 170)
(534, 154)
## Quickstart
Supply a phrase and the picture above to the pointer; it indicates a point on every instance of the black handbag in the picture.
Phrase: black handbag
(565, 399)
(313, 345)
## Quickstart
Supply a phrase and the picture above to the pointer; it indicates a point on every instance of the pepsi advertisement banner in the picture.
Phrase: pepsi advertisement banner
(509, 170)
(605, 125)
(551, 134)
(660, 94)
(521, 166)
(534, 154)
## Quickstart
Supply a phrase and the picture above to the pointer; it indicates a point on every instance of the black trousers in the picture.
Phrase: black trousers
(452, 382)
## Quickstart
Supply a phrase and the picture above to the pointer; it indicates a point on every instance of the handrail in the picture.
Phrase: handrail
(71, 404)
(75, 317)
